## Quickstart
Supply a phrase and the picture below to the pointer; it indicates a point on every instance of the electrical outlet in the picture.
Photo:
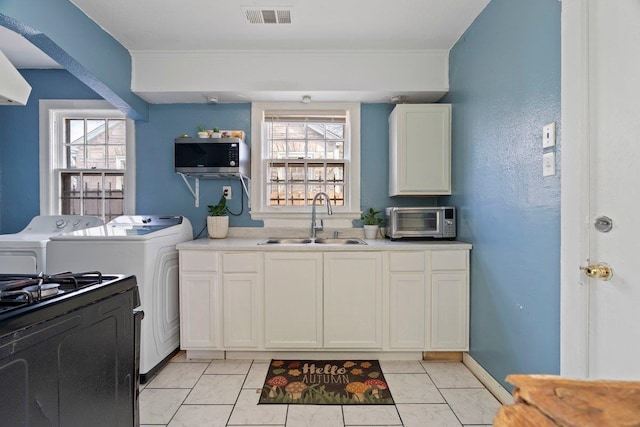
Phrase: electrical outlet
(549, 164)
(226, 191)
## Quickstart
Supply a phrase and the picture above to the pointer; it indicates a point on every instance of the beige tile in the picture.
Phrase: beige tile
(381, 415)
(239, 367)
(472, 406)
(257, 375)
(451, 375)
(215, 389)
(178, 375)
(157, 406)
(427, 415)
(413, 388)
(314, 416)
(401, 367)
(248, 412)
(201, 416)
(181, 357)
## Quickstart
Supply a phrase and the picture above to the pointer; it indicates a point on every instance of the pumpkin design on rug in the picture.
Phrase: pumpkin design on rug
(326, 382)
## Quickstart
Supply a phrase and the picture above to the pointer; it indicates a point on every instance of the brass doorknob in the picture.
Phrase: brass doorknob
(598, 271)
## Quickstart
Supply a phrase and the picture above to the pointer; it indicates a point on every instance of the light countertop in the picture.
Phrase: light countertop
(251, 244)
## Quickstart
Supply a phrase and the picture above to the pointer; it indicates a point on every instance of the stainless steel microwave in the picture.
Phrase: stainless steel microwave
(212, 156)
(420, 222)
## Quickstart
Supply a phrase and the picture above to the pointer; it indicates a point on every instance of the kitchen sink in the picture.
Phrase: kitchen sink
(285, 241)
(319, 240)
(340, 241)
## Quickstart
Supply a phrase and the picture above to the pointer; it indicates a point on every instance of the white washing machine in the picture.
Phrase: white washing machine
(25, 252)
(144, 245)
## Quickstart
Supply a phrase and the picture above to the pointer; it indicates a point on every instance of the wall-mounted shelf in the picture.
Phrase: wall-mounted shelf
(195, 190)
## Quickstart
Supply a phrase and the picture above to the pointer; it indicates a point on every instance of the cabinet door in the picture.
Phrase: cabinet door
(198, 300)
(293, 300)
(420, 150)
(352, 300)
(408, 311)
(241, 309)
(450, 311)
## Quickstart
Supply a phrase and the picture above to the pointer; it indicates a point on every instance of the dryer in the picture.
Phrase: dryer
(25, 252)
(143, 245)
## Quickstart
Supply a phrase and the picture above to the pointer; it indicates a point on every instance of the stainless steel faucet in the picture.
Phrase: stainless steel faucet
(314, 226)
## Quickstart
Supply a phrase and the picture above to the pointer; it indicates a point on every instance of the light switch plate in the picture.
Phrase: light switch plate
(549, 135)
(549, 164)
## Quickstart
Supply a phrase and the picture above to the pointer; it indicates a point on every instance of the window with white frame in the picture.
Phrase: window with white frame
(299, 150)
(85, 159)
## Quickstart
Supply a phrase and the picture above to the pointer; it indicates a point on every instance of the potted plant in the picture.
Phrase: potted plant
(218, 221)
(215, 133)
(371, 223)
(202, 132)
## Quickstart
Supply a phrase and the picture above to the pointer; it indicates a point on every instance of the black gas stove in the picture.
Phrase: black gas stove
(69, 349)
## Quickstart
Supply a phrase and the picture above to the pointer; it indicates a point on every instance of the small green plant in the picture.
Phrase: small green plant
(201, 128)
(216, 129)
(220, 209)
(370, 217)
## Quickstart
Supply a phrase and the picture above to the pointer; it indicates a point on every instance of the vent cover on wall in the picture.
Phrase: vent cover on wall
(267, 15)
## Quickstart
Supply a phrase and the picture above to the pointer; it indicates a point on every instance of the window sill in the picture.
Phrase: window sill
(303, 219)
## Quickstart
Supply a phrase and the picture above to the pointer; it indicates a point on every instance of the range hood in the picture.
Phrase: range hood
(14, 89)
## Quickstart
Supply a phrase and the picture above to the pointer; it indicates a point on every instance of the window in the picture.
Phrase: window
(84, 155)
(299, 150)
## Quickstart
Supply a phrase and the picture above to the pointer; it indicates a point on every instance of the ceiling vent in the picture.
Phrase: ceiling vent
(267, 15)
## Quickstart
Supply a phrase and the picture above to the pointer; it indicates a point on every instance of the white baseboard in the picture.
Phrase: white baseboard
(485, 378)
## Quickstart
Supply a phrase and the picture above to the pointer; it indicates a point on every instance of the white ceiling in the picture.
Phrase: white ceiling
(220, 25)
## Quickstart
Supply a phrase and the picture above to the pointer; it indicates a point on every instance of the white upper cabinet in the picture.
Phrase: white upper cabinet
(420, 150)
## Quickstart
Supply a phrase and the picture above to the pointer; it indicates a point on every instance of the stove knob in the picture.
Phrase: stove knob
(146, 220)
(232, 163)
(61, 223)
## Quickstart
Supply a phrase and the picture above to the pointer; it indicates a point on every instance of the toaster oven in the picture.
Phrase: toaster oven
(420, 222)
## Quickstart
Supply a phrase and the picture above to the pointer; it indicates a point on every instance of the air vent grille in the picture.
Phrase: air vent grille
(267, 15)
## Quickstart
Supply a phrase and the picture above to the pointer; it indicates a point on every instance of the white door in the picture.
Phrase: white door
(600, 177)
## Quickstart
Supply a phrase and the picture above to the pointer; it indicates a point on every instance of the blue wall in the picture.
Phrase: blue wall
(505, 85)
(158, 189)
(19, 145)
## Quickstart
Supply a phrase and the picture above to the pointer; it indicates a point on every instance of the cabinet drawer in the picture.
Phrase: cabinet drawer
(449, 260)
(198, 261)
(240, 262)
(407, 261)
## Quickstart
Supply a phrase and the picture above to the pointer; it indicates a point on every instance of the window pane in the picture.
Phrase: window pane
(276, 172)
(96, 157)
(70, 197)
(296, 198)
(296, 173)
(75, 156)
(278, 195)
(315, 173)
(117, 157)
(335, 131)
(315, 131)
(336, 194)
(335, 172)
(117, 131)
(296, 149)
(316, 149)
(96, 132)
(76, 131)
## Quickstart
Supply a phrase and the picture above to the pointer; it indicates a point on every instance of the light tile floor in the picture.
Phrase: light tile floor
(219, 393)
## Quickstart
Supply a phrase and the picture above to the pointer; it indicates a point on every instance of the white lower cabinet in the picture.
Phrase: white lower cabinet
(408, 313)
(198, 300)
(450, 301)
(404, 300)
(293, 300)
(241, 299)
(353, 300)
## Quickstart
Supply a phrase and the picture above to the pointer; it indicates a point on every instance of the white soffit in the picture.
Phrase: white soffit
(159, 77)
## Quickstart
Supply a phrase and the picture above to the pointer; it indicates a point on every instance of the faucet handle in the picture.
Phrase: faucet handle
(319, 227)
(336, 234)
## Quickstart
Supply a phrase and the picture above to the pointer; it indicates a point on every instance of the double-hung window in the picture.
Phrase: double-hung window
(300, 150)
(85, 160)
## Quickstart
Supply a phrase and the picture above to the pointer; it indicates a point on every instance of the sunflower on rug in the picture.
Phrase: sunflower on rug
(326, 382)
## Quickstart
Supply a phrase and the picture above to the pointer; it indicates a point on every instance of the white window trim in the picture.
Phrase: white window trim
(51, 113)
(281, 216)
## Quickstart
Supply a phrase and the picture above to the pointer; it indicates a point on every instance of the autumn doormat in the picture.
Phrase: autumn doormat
(326, 382)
